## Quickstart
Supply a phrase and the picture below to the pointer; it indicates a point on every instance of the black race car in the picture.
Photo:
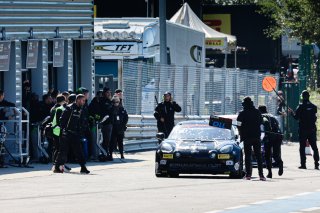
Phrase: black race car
(195, 147)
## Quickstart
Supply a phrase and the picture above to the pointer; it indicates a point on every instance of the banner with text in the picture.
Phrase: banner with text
(32, 54)
(5, 48)
(58, 52)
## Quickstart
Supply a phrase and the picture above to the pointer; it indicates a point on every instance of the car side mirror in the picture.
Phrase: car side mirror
(160, 136)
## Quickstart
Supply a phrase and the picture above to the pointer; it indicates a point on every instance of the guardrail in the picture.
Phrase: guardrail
(17, 124)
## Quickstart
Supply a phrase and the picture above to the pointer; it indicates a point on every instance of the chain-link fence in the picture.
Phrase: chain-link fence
(199, 91)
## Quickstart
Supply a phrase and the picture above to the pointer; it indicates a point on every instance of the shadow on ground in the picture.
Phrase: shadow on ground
(35, 166)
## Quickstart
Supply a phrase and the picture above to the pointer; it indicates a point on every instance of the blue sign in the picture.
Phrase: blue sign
(224, 123)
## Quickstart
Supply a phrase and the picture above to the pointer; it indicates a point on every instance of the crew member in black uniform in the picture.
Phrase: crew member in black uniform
(272, 140)
(106, 120)
(120, 120)
(72, 122)
(306, 114)
(3, 107)
(164, 113)
(249, 124)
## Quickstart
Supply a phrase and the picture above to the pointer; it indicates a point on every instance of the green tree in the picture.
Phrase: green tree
(295, 18)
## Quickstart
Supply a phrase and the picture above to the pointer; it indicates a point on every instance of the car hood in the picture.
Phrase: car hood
(181, 145)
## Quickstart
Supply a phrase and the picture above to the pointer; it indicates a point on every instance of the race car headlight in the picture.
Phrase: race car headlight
(226, 149)
(165, 147)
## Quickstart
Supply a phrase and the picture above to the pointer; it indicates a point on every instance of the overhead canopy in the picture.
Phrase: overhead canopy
(214, 39)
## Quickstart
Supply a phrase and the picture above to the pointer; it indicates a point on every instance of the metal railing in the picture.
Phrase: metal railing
(17, 125)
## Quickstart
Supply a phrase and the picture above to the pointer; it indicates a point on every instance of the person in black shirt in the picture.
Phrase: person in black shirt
(4, 107)
(106, 121)
(272, 140)
(306, 114)
(164, 113)
(249, 124)
(72, 124)
(120, 120)
(45, 106)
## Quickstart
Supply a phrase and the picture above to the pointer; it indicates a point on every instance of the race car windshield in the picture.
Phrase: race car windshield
(207, 133)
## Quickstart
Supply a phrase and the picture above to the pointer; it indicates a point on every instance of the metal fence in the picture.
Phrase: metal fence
(199, 91)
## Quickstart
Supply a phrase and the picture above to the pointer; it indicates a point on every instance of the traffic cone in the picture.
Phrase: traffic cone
(308, 149)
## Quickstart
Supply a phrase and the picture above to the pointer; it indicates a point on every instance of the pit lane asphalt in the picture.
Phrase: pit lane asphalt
(132, 187)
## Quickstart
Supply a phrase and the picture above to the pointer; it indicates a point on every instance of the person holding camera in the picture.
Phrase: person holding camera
(164, 113)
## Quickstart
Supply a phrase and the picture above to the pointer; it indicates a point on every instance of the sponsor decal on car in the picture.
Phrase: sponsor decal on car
(229, 162)
(223, 156)
(167, 156)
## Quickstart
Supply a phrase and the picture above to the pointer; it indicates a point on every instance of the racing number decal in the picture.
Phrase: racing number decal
(223, 156)
(168, 156)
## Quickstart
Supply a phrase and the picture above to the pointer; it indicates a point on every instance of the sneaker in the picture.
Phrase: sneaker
(280, 172)
(302, 167)
(269, 175)
(109, 158)
(247, 178)
(262, 178)
(316, 167)
(84, 170)
(57, 169)
(122, 157)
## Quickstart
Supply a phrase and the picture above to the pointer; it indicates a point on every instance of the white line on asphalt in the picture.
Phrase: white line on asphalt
(268, 201)
(310, 209)
(261, 202)
(237, 207)
(282, 198)
(304, 193)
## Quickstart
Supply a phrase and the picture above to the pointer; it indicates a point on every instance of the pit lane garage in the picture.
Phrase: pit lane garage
(195, 147)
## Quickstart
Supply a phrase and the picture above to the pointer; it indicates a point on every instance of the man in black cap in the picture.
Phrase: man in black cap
(119, 93)
(306, 114)
(72, 124)
(249, 124)
(164, 113)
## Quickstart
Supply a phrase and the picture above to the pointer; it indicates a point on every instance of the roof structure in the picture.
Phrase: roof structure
(214, 39)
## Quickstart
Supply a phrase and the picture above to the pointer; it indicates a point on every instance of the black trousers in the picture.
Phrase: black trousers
(312, 138)
(273, 149)
(165, 128)
(116, 140)
(73, 141)
(106, 134)
(55, 147)
(256, 144)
